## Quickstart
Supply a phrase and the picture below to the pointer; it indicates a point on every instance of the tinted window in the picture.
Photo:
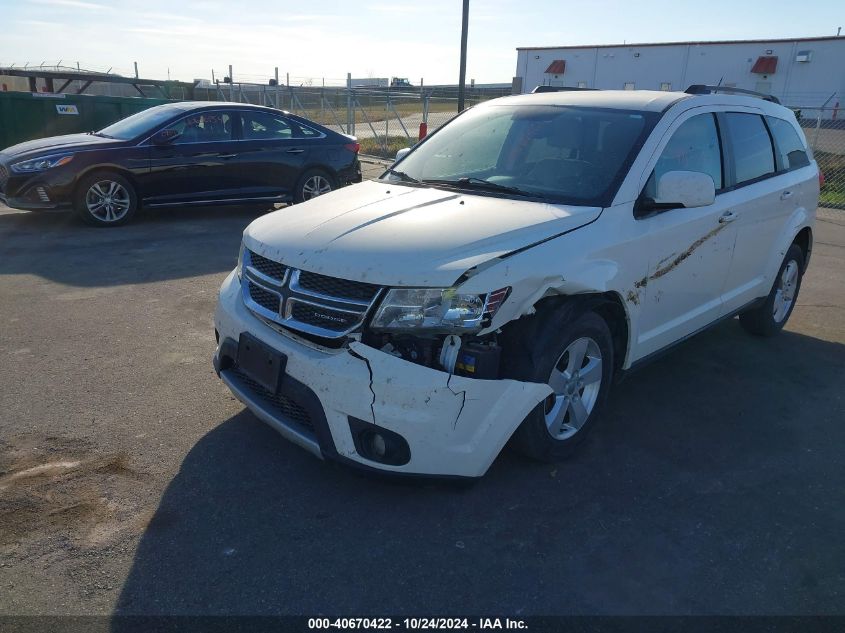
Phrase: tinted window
(791, 152)
(693, 147)
(752, 147)
(266, 126)
(567, 154)
(203, 127)
(140, 123)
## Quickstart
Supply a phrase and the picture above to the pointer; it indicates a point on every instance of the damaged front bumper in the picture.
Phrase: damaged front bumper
(452, 425)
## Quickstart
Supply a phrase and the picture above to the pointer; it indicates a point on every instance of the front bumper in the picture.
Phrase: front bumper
(454, 426)
(35, 192)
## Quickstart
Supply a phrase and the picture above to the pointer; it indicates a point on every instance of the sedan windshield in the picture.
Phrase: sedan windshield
(137, 124)
(574, 155)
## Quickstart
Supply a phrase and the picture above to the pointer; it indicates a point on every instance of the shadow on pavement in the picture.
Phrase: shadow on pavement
(159, 244)
(714, 486)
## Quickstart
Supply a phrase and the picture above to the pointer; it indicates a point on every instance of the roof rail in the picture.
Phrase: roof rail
(701, 89)
(540, 89)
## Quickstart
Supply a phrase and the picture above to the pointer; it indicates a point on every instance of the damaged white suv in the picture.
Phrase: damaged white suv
(491, 285)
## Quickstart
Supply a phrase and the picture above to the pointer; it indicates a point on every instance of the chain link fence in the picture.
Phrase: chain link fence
(383, 120)
(825, 132)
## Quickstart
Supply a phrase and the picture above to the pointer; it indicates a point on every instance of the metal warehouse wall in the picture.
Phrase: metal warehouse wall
(24, 116)
(647, 66)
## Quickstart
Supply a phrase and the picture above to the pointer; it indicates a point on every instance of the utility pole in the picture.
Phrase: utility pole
(463, 74)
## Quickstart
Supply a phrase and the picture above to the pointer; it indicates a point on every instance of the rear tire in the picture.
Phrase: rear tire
(769, 318)
(313, 183)
(105, 199)
(573, 353)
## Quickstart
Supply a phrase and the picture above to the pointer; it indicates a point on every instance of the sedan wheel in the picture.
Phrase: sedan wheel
(314, 186)
(576, 380)
(108, 201)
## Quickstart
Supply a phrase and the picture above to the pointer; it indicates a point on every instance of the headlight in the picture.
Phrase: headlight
(435, 308)
(41, 164)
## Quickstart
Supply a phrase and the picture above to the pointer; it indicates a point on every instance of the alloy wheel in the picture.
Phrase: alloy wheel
(785, 291)
(576, 380)
(315, 186)
(108, 201)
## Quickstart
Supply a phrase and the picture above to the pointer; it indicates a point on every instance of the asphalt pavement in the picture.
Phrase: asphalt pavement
(132, 482)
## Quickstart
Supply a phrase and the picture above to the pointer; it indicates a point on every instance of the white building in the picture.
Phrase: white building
(800, 72)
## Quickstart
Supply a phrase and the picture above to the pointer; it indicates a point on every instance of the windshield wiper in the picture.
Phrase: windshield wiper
(480, 183)
(100, 134)
(402, 175)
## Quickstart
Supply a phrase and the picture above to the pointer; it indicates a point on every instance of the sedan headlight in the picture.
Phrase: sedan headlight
(41, 164)
(435, 308)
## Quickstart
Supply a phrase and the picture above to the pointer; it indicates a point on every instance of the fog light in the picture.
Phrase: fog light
(42, 193)
(379, 444)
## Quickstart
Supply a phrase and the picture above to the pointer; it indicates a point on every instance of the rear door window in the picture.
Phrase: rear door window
(790, 150)
(752, 146)
(264, 126)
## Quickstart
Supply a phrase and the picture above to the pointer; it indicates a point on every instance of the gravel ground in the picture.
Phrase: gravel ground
(132, 482)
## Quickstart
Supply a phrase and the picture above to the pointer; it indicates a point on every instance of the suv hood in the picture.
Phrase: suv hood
(396, 235)
(52, 144)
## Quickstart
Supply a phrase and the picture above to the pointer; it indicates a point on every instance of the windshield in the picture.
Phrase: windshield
(137, 124)
(565, 154)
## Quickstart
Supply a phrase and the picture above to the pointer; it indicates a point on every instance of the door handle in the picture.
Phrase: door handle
(295, 150)
(786, 195)
(226, 155)
(727, 216)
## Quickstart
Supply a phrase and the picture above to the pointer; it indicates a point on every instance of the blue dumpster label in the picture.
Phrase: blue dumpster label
(67, 109)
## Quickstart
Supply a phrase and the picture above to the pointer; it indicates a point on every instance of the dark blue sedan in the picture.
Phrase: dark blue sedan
(190, 153)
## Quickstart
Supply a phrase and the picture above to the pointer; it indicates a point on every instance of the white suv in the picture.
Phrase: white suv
(491, 285)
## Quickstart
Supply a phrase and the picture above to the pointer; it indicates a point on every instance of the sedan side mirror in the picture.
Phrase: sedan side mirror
(688, 189)
(165, 137)
(402, 153)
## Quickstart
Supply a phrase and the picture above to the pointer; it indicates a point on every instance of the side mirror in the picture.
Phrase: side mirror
(688, 189)
(402, 153)
(165, 137)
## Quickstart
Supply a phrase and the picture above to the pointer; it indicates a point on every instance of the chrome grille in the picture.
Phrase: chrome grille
(320, 316)
(267, 266)
(307, 302)
(332, 286)
(266, 299)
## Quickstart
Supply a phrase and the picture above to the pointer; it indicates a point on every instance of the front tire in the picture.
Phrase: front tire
(769, 318)
(313, 183)
(573, 354)
(105, 199)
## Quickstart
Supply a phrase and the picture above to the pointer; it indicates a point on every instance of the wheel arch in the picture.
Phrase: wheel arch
(608, 305)
(107, 169)
(804, 239)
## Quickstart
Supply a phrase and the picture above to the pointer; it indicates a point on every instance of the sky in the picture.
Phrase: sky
(368, 38)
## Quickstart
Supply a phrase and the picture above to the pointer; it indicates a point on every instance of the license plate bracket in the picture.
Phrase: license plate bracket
(261, 362)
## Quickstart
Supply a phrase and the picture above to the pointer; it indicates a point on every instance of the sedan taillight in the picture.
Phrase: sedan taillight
(353, 147)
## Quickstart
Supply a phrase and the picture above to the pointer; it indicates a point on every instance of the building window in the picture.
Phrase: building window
(582, 84)
(665, 86)
(629, 85)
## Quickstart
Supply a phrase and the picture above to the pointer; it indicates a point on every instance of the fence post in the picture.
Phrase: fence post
(350, 115)
(231, 85)
(277, 88)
